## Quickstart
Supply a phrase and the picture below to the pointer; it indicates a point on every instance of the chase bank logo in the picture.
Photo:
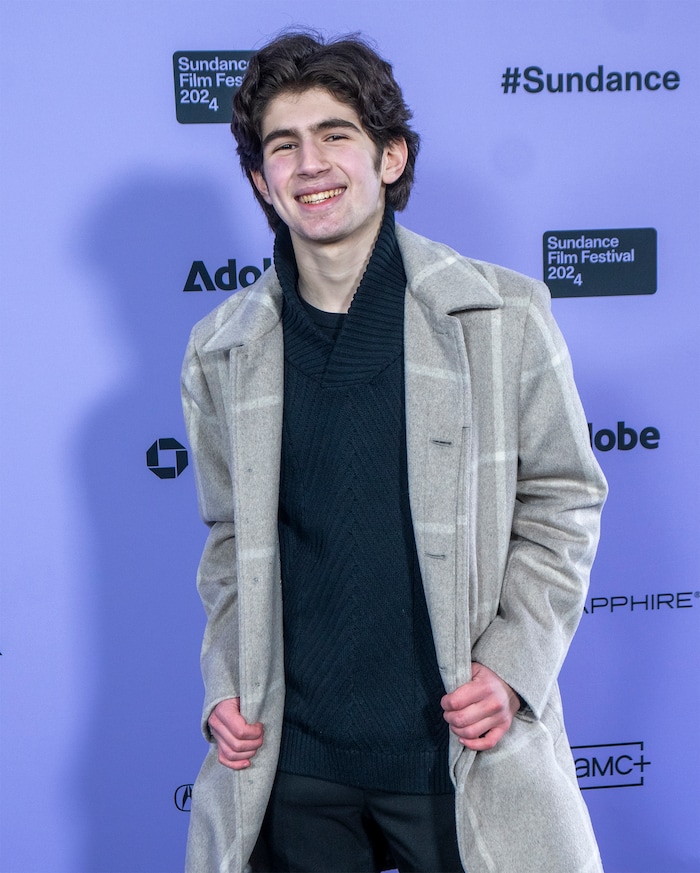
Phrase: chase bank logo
(183, 797)
(156, 460)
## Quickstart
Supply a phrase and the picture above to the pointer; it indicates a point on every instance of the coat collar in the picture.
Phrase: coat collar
(444, 281)
(247, 315)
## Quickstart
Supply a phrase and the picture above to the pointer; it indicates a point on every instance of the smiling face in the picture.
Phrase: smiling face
(322, 173)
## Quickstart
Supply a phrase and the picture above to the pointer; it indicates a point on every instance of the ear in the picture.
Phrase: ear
(394, 161)
(259, 181)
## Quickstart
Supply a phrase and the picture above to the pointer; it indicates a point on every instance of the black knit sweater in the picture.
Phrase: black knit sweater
(363, 687)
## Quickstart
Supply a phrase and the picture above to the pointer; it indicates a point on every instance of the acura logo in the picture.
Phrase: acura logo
(183, 798)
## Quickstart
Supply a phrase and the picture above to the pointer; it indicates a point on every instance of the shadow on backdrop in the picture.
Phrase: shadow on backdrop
(142, 740)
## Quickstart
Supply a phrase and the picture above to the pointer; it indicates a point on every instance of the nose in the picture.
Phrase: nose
(311, 158)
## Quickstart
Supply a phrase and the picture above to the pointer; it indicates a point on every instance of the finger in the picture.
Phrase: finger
(231, 754)
(477, 720)
(486, 741)
(234, 726)
(462, 697)
(489, 708)
(235, 765)
(234, 761)
(239, 738)
(483, 684)
(478, 731)
(243, 731)
(238, 754)
(238, 746)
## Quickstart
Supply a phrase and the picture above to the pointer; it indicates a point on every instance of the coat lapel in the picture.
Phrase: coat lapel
(437, 424)
(440, 447)
(439, 436)
(251, 338)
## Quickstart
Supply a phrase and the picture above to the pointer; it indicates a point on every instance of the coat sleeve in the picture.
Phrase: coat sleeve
(560, 491)
(216, 577)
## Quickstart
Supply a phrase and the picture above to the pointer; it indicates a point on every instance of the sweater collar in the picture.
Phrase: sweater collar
(443, 281)
(372, 335)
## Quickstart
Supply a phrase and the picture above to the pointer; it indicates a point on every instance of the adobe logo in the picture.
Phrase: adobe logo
(624, 438)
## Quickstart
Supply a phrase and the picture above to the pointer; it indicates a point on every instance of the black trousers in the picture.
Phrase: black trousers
(314, 826)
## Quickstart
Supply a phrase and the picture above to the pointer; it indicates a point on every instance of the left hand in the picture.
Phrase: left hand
(480, 712)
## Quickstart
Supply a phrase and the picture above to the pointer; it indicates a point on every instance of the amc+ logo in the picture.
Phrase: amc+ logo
(155, 460)
(610, 765)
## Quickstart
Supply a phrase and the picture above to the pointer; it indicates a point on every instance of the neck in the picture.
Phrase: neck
(329, 275)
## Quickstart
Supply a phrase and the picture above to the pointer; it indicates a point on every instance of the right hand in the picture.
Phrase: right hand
(237, 740)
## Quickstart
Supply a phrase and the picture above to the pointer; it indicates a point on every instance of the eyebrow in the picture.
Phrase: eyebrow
(326, 124)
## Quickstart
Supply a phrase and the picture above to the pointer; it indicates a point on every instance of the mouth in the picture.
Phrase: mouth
(320, 196)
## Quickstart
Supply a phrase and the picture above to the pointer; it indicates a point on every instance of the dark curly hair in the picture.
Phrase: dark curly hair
(347, 67)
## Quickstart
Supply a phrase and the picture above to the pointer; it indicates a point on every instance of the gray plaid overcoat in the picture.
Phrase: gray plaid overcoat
(506, 497)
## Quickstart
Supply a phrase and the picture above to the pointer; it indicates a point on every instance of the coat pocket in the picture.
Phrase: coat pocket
(524, 810)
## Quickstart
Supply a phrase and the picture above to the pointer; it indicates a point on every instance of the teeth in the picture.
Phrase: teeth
(321, 196)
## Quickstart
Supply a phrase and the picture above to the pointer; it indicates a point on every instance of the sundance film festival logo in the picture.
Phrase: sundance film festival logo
(610, 765)
(205, 83)
(534, 80)
(183, 797)
(167, 458)
(599, 263)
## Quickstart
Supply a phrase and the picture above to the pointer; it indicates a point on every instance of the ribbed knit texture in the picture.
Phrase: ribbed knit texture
(363, 686)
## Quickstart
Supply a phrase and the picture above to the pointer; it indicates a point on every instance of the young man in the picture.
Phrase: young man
(395, 467)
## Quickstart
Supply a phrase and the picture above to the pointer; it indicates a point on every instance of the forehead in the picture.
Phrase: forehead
(305, 110)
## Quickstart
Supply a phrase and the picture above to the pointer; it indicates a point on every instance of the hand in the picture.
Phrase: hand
(237, 740)
(481, 711)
